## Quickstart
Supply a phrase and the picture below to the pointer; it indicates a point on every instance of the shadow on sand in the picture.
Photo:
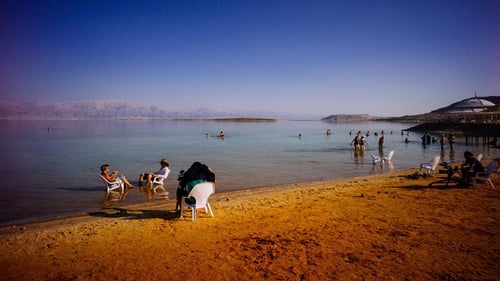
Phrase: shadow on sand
(113, 198)
(135, 214)
(433, 186)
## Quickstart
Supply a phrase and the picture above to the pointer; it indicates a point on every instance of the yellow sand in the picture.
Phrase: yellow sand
(380, 227)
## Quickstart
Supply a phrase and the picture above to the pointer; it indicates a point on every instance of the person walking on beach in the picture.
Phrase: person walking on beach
(113, 176)
(161, 173)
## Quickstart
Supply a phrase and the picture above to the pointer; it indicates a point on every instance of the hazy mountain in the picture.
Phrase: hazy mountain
(347, 118)
(78, 110)
(115, 110)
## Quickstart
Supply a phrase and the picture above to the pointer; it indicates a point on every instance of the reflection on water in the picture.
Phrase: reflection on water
(157, 192)
(110, 198)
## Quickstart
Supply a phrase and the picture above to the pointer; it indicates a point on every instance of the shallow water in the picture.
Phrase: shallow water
(49, 173)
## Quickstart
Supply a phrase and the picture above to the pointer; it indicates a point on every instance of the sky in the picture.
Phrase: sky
(383, 58)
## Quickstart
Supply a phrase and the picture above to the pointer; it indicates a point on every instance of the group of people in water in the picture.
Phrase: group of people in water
(195, 174)
(359, 141)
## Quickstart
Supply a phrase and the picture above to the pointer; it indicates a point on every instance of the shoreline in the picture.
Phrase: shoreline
(155, 202)
(170, 201)
(382, 226)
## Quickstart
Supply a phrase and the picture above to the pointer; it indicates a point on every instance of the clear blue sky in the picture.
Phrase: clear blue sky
(312, 57)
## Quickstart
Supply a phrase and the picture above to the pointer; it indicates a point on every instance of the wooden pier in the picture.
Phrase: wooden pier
(474, 133)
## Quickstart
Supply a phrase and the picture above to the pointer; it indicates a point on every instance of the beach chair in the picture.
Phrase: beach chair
(388, 157)
(156, 189)
(200, 192)
(157, 183)
(485, 176)
(114, 185)
(430, 166)
(375, 159)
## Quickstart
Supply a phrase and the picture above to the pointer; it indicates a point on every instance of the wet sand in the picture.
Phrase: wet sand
(379, 227)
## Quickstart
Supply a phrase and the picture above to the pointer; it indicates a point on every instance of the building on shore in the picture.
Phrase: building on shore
(474, 104)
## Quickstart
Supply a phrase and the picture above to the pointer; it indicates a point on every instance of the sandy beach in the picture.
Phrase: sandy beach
(380, 227)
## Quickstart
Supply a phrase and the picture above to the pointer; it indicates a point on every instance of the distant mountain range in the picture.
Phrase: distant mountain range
(347, 118)
(113, 110)
(77, 110)
(128, 110)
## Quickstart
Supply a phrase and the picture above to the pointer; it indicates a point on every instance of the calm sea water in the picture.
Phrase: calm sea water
(52, 173)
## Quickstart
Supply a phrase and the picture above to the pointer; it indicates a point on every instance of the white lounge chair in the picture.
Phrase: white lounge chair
(157, 184)
(375, 159)
(201, 192)
(388, 157)
(430, 166)
(490, 169)
(114, 185)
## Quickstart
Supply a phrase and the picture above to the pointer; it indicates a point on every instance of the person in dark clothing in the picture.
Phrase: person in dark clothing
(470, 167)
(197, 173)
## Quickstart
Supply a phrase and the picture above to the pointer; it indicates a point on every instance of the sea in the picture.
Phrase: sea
(50, 168)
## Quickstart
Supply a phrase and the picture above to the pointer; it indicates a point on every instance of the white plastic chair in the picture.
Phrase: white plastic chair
(388, 157)
(431, 166)
(156, 189)
(113, 185)
(156, 183)
(375, 159)
(201, 192)
(490, 169)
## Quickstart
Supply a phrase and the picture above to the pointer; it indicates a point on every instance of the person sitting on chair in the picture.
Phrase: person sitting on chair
(161, 173)
(196, 174)
(470, 167)
(114, 176)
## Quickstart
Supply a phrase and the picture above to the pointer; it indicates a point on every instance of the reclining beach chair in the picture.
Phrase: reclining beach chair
(388, 157)
(156, 189)
(485, 176)
(200, 192)
(114, 185)
(375, 159)
(430, 166)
